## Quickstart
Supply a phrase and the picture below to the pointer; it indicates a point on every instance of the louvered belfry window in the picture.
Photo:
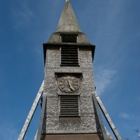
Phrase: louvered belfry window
(69, 56)
(69, 53)
(69, 106)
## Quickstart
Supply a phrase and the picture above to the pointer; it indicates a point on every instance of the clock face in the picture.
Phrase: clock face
(68, 84)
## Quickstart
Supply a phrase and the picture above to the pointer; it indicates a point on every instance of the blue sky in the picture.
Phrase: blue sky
(112, 25)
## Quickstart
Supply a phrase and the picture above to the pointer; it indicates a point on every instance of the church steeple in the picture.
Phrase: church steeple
(70, 105)
(68, 21)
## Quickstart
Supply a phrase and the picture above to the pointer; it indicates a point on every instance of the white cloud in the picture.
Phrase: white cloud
(129, 116)
(8, 131)
(124, 115)
(22, 17)
(103, 78)
(138, 98)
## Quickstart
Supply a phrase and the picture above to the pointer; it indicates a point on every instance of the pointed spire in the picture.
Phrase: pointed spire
(68, 21)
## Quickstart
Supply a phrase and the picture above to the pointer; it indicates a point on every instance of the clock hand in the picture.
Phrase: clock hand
(71, 87)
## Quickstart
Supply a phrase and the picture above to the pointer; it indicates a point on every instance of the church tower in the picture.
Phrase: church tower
(68, 109)
(70, 106)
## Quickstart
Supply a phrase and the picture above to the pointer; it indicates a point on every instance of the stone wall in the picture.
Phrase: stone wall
(86, 123)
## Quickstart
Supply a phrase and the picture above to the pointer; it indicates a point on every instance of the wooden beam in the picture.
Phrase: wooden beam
(44, 101)
(110, 122)
(31, 113)
(95, 105)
